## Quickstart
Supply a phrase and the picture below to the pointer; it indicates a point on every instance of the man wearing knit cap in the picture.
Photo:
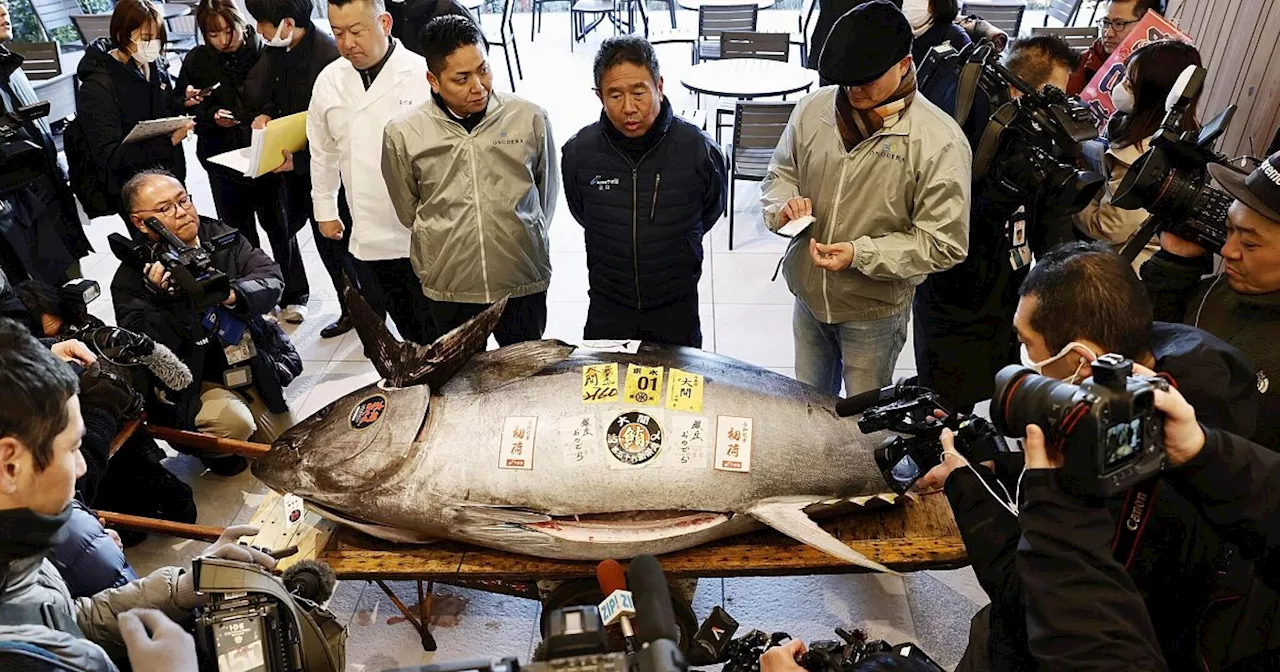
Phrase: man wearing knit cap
(886, 176)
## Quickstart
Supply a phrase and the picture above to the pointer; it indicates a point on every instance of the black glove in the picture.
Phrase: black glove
(110, 393)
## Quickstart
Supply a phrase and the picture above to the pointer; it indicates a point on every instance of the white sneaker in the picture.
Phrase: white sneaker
(293, 314)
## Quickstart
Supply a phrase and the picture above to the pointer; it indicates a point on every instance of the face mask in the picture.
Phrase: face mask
(918, 14)
(281, 40)
(1122, 99)
(1038, 367)
(146, 52)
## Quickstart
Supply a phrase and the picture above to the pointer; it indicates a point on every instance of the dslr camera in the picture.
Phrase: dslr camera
(1107, 428)
(23, 161)
(1029, 146)
(1171, 180)
(256, 621)
(194, 280)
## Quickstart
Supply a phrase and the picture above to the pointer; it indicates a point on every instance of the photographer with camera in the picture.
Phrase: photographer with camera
(41, 234)
(241, 361)
(1150, 74)
(1082, 300)
(1241, 305)
(41, 626)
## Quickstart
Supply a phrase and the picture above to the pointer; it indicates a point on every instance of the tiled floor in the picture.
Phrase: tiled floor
(744, 316)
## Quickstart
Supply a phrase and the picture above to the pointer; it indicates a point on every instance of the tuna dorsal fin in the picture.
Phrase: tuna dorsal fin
(491, 370)
(786, 515)
(404, 363)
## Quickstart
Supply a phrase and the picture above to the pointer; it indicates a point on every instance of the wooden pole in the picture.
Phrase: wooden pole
(157, 526)
(207, 443)
(126, 432)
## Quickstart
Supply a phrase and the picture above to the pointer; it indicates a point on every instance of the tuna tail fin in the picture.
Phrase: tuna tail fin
(786, 515)
(404, 363)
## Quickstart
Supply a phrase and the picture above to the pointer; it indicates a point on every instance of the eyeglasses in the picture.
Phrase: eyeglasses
(170, 209)
(1116, 26)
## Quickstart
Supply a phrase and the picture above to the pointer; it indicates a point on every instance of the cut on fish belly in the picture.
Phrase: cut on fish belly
(548, 449)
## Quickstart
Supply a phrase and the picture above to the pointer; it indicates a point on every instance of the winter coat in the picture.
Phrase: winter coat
(410, 17)
(204, 67)
(479, 203)
(901, 197)
(113, 97)
(644, 220)
(1249, 322)
(88, 559)
(257, 282)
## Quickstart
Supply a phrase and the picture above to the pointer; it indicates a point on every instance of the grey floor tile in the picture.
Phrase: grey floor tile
(811, 607)
(941, 617)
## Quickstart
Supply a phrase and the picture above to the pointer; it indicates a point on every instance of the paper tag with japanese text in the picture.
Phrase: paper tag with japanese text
(684, 391)
(580, 440)
(517, 442)
(688, 441)
(294, 510)
(733, 444)
(599, 383)
(644, 385)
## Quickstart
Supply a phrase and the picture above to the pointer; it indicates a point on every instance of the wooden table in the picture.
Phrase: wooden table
(747, 78)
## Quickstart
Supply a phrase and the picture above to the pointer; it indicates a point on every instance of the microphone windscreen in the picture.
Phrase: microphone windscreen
(611, 577)
(166, 366)
(655, 618)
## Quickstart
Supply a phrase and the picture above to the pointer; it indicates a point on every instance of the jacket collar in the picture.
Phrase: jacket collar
(399, 63)
(496, 102)
(828, 117)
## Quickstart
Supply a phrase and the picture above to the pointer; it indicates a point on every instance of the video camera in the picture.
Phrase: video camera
(1171, 179)
(256, 621)
(1107, 428)
(910, 410)
(193, 278)
(1028, 147)
(23, 160)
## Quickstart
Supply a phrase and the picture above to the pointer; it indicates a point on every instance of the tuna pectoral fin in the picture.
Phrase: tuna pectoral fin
(404, 364)
(787, 516)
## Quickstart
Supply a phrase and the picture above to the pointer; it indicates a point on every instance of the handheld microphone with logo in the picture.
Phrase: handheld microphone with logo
(618, 607)
(655, 619)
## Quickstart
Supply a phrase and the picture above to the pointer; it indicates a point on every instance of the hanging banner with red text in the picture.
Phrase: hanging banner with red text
(1097, 95)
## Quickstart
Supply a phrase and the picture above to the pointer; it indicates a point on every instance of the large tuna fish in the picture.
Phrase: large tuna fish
(547, 449)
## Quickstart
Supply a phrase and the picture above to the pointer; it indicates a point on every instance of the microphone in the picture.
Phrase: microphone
(125, 348)
(618, 607)
(655, 619)
(861, 401)
(168, 369)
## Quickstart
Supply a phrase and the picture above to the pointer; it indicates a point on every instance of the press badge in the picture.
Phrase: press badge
(242, 351)
(237, 377)
(1019, 251)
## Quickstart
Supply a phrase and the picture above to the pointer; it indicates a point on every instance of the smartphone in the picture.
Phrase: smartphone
(204, 92)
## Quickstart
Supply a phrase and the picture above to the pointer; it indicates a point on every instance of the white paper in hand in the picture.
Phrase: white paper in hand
(152, 128)
(795, 226)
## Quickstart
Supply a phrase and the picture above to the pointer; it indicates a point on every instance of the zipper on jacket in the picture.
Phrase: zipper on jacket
(475, 191)
(653, 209)
(835, 217)
(635, 208)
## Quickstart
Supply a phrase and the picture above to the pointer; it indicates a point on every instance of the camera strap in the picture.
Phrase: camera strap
(1140, 239)
(1139, 504)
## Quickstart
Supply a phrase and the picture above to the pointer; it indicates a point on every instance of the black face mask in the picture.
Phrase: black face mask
(25, 533)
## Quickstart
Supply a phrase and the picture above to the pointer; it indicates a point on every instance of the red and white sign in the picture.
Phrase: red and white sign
(1097, 94)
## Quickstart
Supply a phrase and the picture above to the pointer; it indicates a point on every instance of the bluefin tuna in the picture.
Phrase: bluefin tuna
(552, 450)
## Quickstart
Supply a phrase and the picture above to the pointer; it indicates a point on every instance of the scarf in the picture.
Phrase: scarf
(26, 534)
(858, 125)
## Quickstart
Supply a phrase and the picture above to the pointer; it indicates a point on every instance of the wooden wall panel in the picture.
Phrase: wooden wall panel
(1240, 43)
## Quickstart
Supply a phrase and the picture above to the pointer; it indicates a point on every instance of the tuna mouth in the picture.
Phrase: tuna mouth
(629, 526)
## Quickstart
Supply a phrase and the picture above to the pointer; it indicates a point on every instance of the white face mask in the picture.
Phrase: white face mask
(1122, 99)
(282, 39)
(918, 14)
(146, 52)
(1038, 367)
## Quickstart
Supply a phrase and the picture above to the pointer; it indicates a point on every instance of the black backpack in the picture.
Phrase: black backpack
(88, 181)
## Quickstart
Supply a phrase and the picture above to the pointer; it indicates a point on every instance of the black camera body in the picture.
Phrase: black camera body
(23, 161)
(1028, 149)
(1108, 428)
(194, 280)
(1171, 180)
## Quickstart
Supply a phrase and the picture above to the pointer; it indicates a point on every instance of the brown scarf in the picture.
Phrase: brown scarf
(858, 125)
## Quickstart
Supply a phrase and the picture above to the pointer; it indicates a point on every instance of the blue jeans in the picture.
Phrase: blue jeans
(859, 354)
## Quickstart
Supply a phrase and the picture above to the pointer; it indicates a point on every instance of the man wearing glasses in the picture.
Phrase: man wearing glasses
(1115, 26)
(240, 361)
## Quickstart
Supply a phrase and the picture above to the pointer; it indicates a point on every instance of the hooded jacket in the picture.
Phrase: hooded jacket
(480, 203)
(901, 197)
(204, 67)
(113, 97)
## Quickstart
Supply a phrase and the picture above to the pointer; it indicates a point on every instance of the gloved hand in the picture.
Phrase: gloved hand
(155, 643)
(227, 548)
(108, 392)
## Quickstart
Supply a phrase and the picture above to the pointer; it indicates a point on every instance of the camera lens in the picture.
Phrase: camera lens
(1070, 191)
(1023, 397)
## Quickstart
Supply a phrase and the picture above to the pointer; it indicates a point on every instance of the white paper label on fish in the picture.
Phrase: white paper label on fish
(581, 441)
(690, 441)
(733, 443)
(518, 434)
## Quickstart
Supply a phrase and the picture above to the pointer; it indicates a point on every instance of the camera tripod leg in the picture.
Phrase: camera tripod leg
(423, 625)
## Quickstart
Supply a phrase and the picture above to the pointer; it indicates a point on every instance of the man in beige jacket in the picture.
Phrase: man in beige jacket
(886, 175)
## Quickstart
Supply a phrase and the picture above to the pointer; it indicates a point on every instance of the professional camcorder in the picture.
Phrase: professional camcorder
(1171, 180)
(909, 410)
(1028, 148)
(193, 278)
(23, 161)
(1107, 428)
(256, 621)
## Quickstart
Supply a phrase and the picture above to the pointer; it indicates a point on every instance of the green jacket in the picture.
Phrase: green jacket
(901, 197)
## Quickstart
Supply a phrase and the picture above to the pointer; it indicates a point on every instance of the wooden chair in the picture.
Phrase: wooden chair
(1079, 39)
(757, 128)
(92, 26)
(767, 46)
(714, 20)
(1064, 11)
(1006, 16)
(505, 37)
(40, 59)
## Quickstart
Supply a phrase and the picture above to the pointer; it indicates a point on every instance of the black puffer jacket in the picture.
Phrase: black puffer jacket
(644, 220)
(205, 66)
(410, 17)
(113, 97)
(258, 284)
